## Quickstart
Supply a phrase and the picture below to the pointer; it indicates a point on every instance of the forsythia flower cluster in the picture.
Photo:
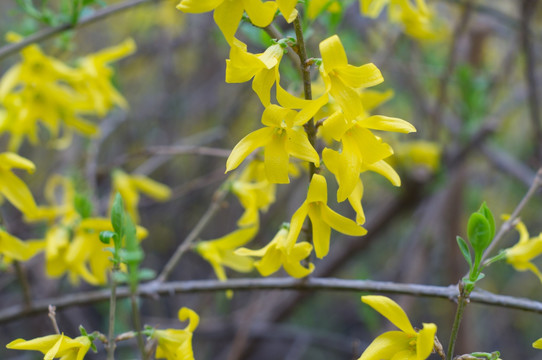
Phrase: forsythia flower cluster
(43, 90)
(342, 107)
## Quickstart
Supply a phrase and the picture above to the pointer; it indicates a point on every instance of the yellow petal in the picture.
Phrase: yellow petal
(151, 188)
(386, 346)
(335, 125)
(190, 315)
(17, 193)
(347, 98)
(296, 223)
(321, 231)
(386, 123)
(383, 168)
(262, 83)
(425, 341)
(287, 8)
(247, 145)
(227, 16)
(355, 201)
(341, 224)
(9, 160)
(372, 8)
(273, 115)
(390, 310)
(333, 54)
(270, 262)
(260, 14)
(310, 109)
(276, 159)
(360, 76)
(317, 189)
(298, 145)
(538, 344)
(198, 6)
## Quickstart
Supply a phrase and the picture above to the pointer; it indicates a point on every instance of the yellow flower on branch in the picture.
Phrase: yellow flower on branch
(343, 80)
(254, 192)
(243, 66)
(13, 188)
(405, 344)
(281, 251)
(521, 255)
(228, 13)
(55, 346)
(12, 248)
(283, 136)
(130, 186)
(322, 218)
(175, 344)
(220, 252)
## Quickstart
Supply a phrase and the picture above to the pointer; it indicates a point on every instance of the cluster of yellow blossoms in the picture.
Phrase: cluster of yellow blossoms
(41, 90)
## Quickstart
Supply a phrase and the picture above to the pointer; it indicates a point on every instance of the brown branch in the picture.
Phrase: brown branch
(528, 8)
(156, 288)
(48, 33)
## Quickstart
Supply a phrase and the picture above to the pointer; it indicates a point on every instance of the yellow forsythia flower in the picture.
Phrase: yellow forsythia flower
(342, 79)
(174, 344)
(405, 344)
(228, 13)
(130, 186)
(322, 218)
(315, 7)
(521, 255)
(13, 188)
(538, 344)
(55, 346)
(283, 136)
(243, 66)
(12, 248)
(221, 252)
(254, 192)
(419, 154)
(281, 251)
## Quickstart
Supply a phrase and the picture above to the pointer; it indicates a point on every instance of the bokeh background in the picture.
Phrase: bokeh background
(174, 83)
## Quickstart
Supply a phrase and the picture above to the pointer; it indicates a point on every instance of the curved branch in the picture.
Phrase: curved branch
(155, 289)
(45, 34)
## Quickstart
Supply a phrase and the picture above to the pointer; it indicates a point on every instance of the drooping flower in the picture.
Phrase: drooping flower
(13, 188)
(281, 252)
(316, 7)
(228, 13)
(322, 218)
(417, 20)
(405, 344)
(12, 248)
(55, 346)
(283, 136)
(254, 192)
(175, 344)
(130, 186)
(521, 255)
(220, 252)
(361, 149)
(343, 80)
(243, 66)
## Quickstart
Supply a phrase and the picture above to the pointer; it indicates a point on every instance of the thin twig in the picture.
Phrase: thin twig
(442, 91)
(527, 11)
(113, 296)
(509, 224)
(153, 289)
(21, 276)
(462, 301)
(52, 317)
(218, 196)
(48, 33)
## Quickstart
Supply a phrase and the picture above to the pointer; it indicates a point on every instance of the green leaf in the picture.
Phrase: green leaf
(117, 215)
(484, 210)
(106, 236)
(500, 256)
(120, 277)
(479, 233)
(82, 330)
(82, 205)
(464, 250)
(146, 274)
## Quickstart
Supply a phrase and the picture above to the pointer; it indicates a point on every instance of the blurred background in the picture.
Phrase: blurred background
(473, 94)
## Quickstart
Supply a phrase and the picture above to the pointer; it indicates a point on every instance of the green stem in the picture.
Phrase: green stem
(137, 326)
(462, 300)
(112, 310)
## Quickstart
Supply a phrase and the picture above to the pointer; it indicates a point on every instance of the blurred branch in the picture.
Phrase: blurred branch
(508, 224)
(503, 161)
(218, 196)
(528, 8)
(156, 288)
(442, 91)
(45, 34)
(501, 17)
